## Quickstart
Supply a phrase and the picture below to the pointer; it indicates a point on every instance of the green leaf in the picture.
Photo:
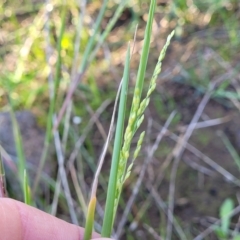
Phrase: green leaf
(27, 191)
(90, 219)
(225, 210)
(236, 237)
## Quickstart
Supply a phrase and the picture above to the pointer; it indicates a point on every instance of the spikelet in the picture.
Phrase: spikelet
(158, 67)
(136, 152)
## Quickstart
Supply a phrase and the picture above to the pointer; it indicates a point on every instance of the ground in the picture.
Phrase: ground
(203, 57)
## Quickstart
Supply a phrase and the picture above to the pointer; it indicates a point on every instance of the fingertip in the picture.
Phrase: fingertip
(19, 221)
(102, 239)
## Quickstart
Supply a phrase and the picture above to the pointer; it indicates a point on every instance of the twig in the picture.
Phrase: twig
(152, 232)
(163, 206)
(80, 141)
(57, 191)
(208, 123)
(227, 175)
(73, 85)
(197, 167)
(63, 175)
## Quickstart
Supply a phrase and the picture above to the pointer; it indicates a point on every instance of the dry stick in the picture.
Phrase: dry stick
(96, 120)
(158, 181)
(48, 52)
(176, 138)
(208, 123)
(200, 169)
(80, 141)
(78, 144)
(71, 168)
(194, 151)
(136, 188)
(178, 153)
(63, 175)
(158, 199)
(227, 175)
(211, 228)
(57, 191)
(57, 141)
(77, 44)
(78, 191)
(51, 91)
(73, 85)
(152, 232)
(163, 206)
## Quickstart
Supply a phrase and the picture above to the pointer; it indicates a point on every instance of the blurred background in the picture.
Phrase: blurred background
(189, 187)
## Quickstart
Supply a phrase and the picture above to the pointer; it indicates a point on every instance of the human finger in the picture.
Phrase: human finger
(19, 221)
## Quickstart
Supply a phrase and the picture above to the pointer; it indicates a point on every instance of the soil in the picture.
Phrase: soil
(198, 195)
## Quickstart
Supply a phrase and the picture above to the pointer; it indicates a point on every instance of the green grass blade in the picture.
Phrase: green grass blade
(109, 27)
(27, 192)
(90, 218)
(145, 50)
(21, 163)
(225, 210)
(110, 202)
(231, 150)
(92, 39)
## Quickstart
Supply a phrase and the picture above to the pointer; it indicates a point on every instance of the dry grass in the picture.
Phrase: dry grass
(174, 187)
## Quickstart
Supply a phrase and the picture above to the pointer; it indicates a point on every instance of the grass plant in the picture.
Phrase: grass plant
(118, 173)
(19, 146)
(76, 66)
(27, 190)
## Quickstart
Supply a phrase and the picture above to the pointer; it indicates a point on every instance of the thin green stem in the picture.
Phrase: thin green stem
(145, 51)
(18, 144)
(92, 39)
(27, 192)
(90, 218)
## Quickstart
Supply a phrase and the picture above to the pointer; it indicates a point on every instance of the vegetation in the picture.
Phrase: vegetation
(65, 61)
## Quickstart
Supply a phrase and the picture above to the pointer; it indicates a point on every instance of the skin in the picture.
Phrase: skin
(21, 222)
